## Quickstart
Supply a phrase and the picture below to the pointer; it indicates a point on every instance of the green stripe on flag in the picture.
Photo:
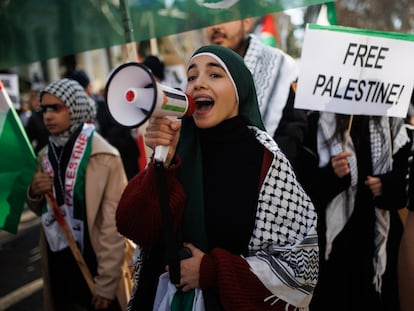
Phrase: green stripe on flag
(168, 107)
(331, 13)
(17, 167)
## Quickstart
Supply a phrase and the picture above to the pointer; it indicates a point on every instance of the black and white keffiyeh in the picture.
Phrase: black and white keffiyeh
(81, 106)
(273, 72)
(341, 207)
(384, 142)
(283, 251)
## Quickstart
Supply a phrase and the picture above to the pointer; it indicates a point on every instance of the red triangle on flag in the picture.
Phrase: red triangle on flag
(268, 32)
(268, 24)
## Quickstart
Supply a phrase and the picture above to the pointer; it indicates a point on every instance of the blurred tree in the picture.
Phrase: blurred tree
(384, 15)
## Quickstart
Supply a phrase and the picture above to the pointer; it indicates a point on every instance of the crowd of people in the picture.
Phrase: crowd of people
(257, 206)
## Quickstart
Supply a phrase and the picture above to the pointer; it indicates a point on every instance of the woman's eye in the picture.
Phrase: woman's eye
(215, 75)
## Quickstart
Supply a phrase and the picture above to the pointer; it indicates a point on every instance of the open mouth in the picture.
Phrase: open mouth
(204, 105)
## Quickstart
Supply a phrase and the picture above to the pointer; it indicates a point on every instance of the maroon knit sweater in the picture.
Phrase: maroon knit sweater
(138, 217)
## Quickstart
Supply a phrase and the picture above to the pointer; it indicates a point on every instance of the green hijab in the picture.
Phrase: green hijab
(190, 171)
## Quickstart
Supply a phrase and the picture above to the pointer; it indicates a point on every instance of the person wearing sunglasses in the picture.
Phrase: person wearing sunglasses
(83, 174)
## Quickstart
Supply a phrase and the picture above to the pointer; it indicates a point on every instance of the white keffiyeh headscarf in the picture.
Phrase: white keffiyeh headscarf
(81, 107)
(340, 209)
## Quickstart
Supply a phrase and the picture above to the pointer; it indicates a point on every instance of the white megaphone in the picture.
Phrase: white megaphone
(132, 96)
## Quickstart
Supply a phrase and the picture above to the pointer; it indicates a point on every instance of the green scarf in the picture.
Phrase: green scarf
(190, 171)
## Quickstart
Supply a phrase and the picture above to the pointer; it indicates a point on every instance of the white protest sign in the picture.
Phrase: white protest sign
(352, 71)
(11, 84)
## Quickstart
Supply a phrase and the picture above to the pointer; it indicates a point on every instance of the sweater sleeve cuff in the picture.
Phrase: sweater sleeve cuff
(174, 165)
(208, 274)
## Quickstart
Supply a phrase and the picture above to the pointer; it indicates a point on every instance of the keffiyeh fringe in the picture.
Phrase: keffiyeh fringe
(276, 299)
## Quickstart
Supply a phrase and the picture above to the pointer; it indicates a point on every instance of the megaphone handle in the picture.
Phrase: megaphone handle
(161, 153)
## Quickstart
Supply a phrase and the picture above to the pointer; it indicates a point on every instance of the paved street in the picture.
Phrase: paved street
(20, 267)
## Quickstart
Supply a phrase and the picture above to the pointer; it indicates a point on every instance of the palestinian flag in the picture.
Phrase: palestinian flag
(17, 164)
(327, 14)
(268, 32)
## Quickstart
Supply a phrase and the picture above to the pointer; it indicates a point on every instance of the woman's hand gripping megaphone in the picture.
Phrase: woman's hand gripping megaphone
(162, 135)
(171, 105)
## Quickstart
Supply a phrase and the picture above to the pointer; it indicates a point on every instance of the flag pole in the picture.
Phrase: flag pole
(348, 132)
(71, 241)
(131, 49)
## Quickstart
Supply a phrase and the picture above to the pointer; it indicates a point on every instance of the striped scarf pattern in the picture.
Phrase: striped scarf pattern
(384, 141)
(273, 72)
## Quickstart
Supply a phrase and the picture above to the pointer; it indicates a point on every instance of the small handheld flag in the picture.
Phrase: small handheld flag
(17, 164)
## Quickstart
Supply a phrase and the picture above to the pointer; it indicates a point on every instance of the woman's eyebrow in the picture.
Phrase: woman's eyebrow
(191, 66)
(210, 64)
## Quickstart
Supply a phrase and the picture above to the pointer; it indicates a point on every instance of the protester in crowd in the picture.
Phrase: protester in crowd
(84, 175)
(273, 72)
(117, 135)
(234, 200)
(406, 251)
(157, 67)
(83, 79)
(357, 181)
(35, 129)
(24, 112)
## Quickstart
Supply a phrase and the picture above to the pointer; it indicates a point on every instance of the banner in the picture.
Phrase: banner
(353, 71)
(17, 164)
(37, 30)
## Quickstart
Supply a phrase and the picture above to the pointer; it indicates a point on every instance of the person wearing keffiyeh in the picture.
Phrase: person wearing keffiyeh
(234, 200)
(85, 175)
(274, 73)
(357, 183)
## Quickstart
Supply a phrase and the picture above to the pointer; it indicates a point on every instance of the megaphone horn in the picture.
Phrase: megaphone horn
(132, 96)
